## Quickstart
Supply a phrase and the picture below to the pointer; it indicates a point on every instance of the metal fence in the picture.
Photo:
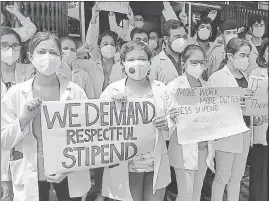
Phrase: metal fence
(49, 15)
(240, 13)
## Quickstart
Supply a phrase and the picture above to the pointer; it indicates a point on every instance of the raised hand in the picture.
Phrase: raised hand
(12, 8)
(212, 14)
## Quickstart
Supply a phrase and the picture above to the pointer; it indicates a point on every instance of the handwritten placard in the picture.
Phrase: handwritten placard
(258, 104)
(115, 6)
(208, 114)
(79, 135)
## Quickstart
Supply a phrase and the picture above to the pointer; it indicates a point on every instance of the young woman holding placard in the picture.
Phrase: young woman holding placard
(190, 161)
(143, 178)
(21, 125)
(232, 152)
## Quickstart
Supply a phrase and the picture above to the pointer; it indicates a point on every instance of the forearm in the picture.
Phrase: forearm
(19, 15)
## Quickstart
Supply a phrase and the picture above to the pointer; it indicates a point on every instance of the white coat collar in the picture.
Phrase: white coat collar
(120, 85)
(254, 49)
(184, 81)
(228, 72)
(65, 88)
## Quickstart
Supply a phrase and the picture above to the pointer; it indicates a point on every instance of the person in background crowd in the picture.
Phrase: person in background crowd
(102, 50)
(21, 126)
(229, 29)
(202, 36)
(74, 72)
(166, 66)
(231, 152)
(259, 151)
(27, 30)
(139, 34)
(257, 27)
(12, 72)
(123, 33)
(155, 41)
(147, 175)
(117, 71)
(190, 161)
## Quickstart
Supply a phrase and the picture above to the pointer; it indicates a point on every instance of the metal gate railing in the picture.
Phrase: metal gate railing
(240, 13)
(50, 15)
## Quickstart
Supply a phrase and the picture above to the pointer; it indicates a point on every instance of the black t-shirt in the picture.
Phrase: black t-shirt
(242, 82)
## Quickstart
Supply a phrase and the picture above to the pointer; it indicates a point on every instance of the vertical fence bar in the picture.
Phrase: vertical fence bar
(53, 16)
(43, 16)
(32, 16)
(48, 15)
(57, 16)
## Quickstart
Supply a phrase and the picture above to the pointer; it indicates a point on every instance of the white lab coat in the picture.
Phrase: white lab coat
(23, 72)
(186, 156)
(24, 171)
(162, 68)
(116, 180)
(224, 78)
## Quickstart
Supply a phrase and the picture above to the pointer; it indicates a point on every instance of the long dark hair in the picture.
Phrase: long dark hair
(260, 59)
(233, 47)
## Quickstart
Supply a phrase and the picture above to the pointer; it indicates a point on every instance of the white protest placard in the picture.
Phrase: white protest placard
(208, 114)
(79, 135)
(115, 6)
(258, 104)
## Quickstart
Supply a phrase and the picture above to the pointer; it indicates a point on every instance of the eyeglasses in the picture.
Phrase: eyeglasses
(6, 46)
(196, 62)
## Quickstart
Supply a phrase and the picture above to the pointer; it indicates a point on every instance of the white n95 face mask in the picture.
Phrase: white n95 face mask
(258, 32)
(195, 71)
(241, 63)
(69, 56)
(137, 70)
(10, 56)
(179, 45)
(46, 64)
(204, 34)
(153, 44)
(108, 51)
